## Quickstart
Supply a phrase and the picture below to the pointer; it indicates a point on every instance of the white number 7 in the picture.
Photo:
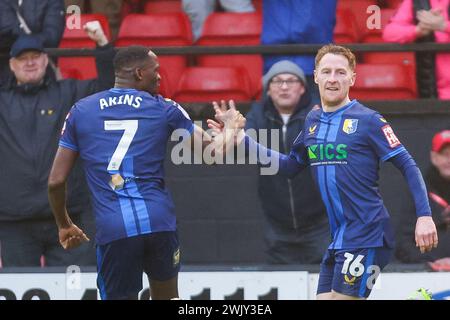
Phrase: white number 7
(130, 127)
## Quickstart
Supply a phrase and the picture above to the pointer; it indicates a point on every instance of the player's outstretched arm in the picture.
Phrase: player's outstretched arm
(425, 234)
(70, 236)
(285, 165)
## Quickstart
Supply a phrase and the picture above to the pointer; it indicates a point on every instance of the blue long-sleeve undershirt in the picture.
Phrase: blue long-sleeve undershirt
(408, 167)
(288, 166)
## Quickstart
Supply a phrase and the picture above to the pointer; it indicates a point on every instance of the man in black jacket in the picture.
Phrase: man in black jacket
(32, 111)
(43, 18)
(297, 230)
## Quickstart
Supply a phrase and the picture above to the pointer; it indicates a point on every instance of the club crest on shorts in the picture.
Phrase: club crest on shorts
(350, 126)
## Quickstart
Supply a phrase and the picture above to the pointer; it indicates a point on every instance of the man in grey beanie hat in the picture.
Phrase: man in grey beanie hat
(296, 225)
(283, 66)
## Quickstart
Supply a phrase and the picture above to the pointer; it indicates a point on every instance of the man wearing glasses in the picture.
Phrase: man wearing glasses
(296, 227)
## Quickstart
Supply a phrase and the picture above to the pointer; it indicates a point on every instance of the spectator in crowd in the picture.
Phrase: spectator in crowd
(298, 22)
(438, 185)
(42, 18)
(32, 111)
(199, 10)
(112, 9)
(296, 222)
(425, 21)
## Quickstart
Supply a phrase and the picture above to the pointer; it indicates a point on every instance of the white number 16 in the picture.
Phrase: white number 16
(356, 268)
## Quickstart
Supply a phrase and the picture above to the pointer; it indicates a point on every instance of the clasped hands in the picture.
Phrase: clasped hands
(430, 21)
(226, 117)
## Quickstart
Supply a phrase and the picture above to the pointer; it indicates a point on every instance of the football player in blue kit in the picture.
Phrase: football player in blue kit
(343, 142)
(121, 136)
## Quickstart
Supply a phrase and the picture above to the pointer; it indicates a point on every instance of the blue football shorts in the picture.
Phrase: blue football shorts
(352, 272)
(121, 263)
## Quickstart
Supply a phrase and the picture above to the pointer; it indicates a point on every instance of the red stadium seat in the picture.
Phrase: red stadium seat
(206, 84)
(161, 6)
(358, 9)
(164, 29)
(394, 4)
(375, 36)
(233, 29)
(258, 5)
(345, 30)
(80, 67)
(383, 82)
(405, 58)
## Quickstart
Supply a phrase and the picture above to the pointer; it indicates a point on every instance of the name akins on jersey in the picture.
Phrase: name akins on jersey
(125, 99)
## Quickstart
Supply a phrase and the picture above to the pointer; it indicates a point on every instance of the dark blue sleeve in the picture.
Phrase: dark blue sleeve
(177, 117)
(408, 167)
(383, 139)
(288, 166)
(68, 138)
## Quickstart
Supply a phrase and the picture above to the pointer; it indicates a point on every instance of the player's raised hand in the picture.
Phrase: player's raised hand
(226, 115)
(426, 234)
(71, 237)
(94, 31)
(221, 110)
(217, 125)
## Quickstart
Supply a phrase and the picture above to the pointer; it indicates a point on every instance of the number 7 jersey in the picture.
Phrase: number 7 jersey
(121, 136)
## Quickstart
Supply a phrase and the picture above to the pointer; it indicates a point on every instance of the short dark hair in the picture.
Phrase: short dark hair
(129, 57)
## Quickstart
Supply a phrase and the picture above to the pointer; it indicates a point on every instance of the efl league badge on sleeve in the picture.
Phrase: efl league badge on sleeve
(390, 136)
(350, 126)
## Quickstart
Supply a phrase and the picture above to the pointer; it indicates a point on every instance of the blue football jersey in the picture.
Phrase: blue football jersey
(121, 136)
(344, 149)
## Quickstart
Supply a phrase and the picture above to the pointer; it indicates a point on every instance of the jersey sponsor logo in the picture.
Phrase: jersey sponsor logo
(390, 136)
(327, 152)
(350, 126)
(312, 129)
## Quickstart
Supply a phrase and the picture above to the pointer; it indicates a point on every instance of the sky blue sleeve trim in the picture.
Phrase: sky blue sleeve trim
(191, 129)
(68, 146)
(392, 154)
